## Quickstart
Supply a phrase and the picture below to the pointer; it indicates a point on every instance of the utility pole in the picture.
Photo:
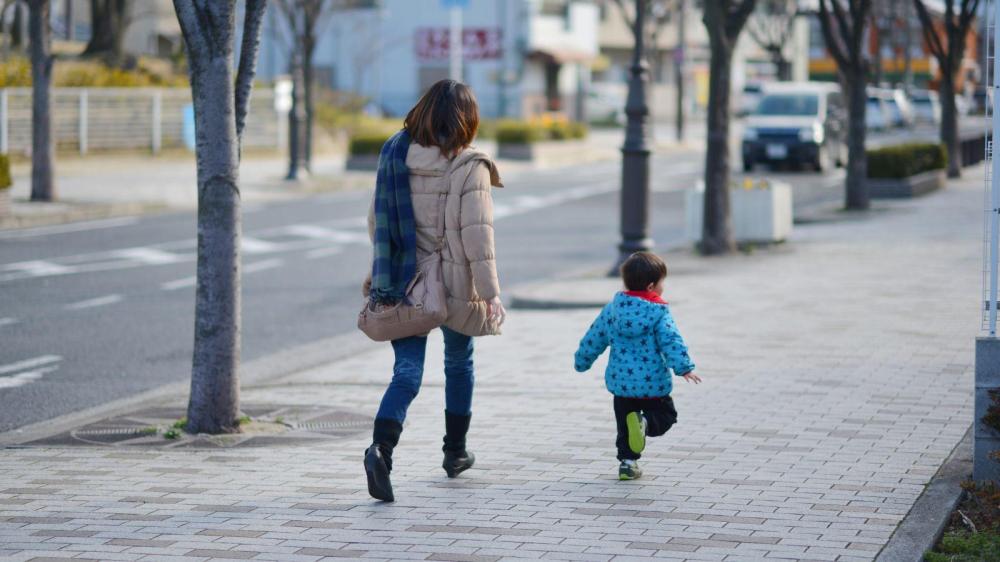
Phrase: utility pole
(635, 151)
(679, 55)
(455, 46)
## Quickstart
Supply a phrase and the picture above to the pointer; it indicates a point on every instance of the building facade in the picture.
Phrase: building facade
(521, 57)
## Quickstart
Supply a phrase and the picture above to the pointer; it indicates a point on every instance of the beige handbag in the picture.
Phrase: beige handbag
(424, 307)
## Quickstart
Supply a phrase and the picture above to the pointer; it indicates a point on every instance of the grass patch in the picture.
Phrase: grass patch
(180, 424)
(243, 420)
(973, 534)
(172, 434)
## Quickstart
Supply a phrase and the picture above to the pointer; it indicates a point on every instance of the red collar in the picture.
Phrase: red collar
(646, 296)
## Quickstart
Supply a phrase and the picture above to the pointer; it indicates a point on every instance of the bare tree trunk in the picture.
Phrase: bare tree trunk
(856, 189)
(307, 86)
(220, 109)
(42, 188)
(949, 124)
(296, 119)
(717, 235)
(109, 21)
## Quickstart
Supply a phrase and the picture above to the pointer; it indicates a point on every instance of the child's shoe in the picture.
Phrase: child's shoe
(629, 470)
(636, 424)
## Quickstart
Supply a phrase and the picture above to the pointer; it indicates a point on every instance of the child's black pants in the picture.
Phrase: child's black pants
(660, 415)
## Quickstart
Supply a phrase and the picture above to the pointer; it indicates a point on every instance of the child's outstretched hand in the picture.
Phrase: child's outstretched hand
(691, 377)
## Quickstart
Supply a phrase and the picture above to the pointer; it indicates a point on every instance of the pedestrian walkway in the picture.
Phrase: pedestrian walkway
(838, 373)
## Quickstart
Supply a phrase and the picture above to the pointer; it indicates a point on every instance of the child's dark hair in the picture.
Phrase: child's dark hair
(643, 269)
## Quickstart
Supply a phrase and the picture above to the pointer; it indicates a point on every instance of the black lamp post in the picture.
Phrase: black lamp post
(635, 151)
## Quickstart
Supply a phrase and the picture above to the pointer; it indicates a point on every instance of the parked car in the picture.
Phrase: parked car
(605, 108)
(797, 123)
(877, 114)
(749, 98)
(926, 107)
(896, 107)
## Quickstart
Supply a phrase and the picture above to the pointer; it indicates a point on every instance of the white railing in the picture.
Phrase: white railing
(94, 119)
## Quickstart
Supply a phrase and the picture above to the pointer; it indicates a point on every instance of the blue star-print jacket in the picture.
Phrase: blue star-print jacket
(645, 347)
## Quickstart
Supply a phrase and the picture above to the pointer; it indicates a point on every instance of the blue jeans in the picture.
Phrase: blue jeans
(408, 372)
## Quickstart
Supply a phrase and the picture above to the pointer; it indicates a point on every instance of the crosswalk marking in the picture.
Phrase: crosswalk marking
(323, 252)
(320, 233)
(150, 256)
(262, 265)
(91, 303)
(257, 246)
(22, 379)
(29, 363)
(7, 321)
(179, 283)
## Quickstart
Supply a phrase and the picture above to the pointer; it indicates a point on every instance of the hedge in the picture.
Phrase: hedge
(905, 160)
(5, 180)
(368, 142)
(526, 132)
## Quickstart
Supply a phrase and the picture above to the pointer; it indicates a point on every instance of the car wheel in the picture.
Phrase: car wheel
(822, 162)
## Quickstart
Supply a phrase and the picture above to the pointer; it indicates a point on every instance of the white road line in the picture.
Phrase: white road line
(7, 321)
(262, 265)
(64, 228)
(29, 363)
(179, 284)
(22, 379)
(149, 256)
(323, 252)
(258, 246)
(92, 303)
(39, 268)
(320, 233)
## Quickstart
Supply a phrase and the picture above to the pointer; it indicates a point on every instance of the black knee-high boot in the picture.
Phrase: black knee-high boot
(378, 458)
(456, 458)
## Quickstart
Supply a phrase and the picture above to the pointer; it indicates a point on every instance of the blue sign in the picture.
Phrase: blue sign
(455, 3)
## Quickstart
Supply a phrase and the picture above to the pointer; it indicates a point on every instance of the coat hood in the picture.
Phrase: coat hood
(428, 161)
(634, 316)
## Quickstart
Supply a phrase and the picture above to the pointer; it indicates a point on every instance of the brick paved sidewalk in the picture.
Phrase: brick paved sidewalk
(838, 377)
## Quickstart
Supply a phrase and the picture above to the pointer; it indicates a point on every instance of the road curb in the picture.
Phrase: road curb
(75, 212)
(269, 369)
(924, 524)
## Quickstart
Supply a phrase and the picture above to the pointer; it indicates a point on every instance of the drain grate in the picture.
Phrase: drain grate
(145, 428)
(352, 424)
(117, 431)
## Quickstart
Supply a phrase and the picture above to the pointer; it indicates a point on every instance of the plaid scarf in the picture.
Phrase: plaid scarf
(395, 262)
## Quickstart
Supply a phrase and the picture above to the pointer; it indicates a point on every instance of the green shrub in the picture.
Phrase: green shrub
(904, 160)
(367, 143)
(15, 73)
(5, 179)
(512, 131)
(578, 130)
(963, 546)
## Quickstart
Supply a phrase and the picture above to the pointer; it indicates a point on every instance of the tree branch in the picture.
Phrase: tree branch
(736, 19)
(252, 25)
(833, 40)
(932, 39)
(625, 16)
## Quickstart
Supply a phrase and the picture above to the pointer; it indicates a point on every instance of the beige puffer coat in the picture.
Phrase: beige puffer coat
(469, 260)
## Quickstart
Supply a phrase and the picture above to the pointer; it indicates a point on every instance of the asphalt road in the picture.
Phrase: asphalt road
(92, 312)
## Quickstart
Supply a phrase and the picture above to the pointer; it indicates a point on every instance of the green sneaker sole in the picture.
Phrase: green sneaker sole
(636, 432)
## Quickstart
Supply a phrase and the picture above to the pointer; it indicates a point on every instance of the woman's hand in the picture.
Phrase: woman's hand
(691, 377)
(495, 310)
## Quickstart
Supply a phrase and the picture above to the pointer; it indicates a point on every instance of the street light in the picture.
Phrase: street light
(635, 151)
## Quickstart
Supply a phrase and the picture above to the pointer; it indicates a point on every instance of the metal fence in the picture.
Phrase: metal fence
(88, 119)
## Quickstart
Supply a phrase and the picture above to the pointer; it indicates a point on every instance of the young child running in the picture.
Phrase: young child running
(645, 348)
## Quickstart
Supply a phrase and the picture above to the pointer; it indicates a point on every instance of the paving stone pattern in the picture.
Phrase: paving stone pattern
(838, 373)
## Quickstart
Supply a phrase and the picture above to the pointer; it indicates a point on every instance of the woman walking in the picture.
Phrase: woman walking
(440, 201)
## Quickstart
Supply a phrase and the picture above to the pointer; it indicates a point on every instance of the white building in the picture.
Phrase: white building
(521, 57)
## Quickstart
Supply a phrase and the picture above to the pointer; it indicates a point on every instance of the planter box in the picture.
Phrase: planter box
(758, 215)
(516, 151)
(912, 186)
(4, 202)
(362, 162)
(551, 153)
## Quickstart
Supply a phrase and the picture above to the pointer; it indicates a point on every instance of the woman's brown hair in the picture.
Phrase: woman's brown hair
(447, 117)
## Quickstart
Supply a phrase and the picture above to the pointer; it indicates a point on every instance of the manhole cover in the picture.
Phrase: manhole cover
(265, 426)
